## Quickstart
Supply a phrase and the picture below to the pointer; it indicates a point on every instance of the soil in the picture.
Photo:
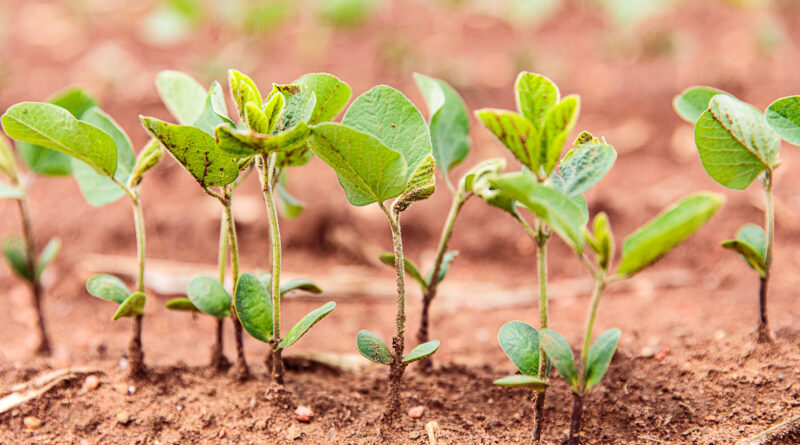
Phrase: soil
(712, 384)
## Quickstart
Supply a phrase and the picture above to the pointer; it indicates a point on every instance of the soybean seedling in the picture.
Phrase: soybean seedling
(737, 144)
(193, 145)
(103, 163)
(535, 135)
(274, 131)
(380, 151)
(522, 343)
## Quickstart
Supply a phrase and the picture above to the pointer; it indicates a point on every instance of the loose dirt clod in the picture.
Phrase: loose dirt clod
(32, 422)
(303, 414)
(123, 418)
(91, 383)
(661, 355)
(416, 412)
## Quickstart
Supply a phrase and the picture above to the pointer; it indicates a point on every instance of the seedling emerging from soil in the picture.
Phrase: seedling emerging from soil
(274, 133)
(737, 144)
(105, 167)
(535, 135)
(523, 344)
(380, 151)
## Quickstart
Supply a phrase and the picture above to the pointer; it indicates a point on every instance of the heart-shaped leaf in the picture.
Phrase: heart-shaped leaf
(692, 102)
(536, 94)
(783, 116)
(515, 132)
(368, 171)
(600, 355)
(420, 186)
(253, 307)
(534, 383)
(331, 95)
(209, 296)
(560, 355)
(558, 123)
(183, 96)
(421, 351)
(373, 348)
(15, 252)
(131, 307)
(667, 230)
(411, 269)
(47, 256)
(447, 258)
(181, 304)
(108, 287)
(305, 324)
(520, 342)
(300, 284)
(751, 242)
(583, 167)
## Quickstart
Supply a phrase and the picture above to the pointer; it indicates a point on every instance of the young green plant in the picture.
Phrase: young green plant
(523, 344)
(738, 144)
(381, 151)
(103, 163)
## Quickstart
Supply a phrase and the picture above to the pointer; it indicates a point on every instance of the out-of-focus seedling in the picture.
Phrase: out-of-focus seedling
(737, 143)
(381, 151)
(105, 167)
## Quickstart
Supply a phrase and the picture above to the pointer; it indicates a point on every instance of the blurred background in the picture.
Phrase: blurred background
(625, 58)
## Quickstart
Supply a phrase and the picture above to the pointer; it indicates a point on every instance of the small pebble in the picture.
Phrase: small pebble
(123, 418)
(131, 390)
(91, 383)
(416, 412)
(660, 355)
(221, 434)
(123, 363)
(32, 422)
(303, 414)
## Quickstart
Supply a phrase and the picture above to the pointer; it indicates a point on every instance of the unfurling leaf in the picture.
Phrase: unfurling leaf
(243, 90)
(532, 382)
(520, 342)
(181, 304)
(47, 256)
(209, 296)
(331, 95)
(449, 122)
(692, 102)
(447, 258)
(253, 307)
(131, 307)
(149, 157)
(667, 230)
(108, 287)
(373, 348)
(420, 185)
(536, 94)
(560, 354)
(300, 284)
(600, 355)
(183, 96)
(387, 258)
(751, 242)
(603, 241)
(16, 254)
(783, 116)
(421, 351)
(305, 324)
(485, 168)
(273, 110)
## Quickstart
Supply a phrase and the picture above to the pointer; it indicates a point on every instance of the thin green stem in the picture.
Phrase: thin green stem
(35, 282)
(138, 218)
(398, 342)
(268, 178)
(135, 353)
(242, 372)
(541, 263)
(532, 233)
(597, 294)
(222, 257)
(764, 333)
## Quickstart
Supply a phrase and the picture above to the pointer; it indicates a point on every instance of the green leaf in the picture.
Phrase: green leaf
(783, 116)
(560, 355)
(387, 258)
(421, 351)
(16, 253)
(244, 91)
(449, 122)
(751, 242)
(7, 191)
(603, 241)
(447, 258)
(558, 123)
(523, 380)
(132, 306)
(289, 206)
(181, 304)
(331, 95)
(97, 188)
(148, 158)
(368, 171)
(305, 324)
(693, 101)
(388, 115)
(484, 168)
(515, 132)
(255, 118)
(244, 143)
(559, 212)
(300, 284)
(273, 110)
(7, 163)
(667, 230)
(75, 100)
(734, 141)
(420, 186)
(107, 287)
(536, 94)
(195, 150)
(585, 138)
(584, 166)
(213, 112)
(209, 296)
(299, 105)
(47, 255)
(520, 342)
(53, 127)
(183, 96)
(253, 307)
(600, 355)
(373, 348)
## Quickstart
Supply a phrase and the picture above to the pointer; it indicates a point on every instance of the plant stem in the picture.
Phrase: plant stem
(242, 372)
(541, 262)
(218, 359)
(397, 367)
(36, 284)
(764, 332)
(576, 422)
(135, 353)
(599, 287)
(267, 185)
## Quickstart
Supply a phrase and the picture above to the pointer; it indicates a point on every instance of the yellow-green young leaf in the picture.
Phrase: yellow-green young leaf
(420, 185)
(47, 255)
(534, 383)
(148, 158)
(54, 127)
(373, 348)
(583, 167)
(560, 354)
(411, 270)
(559, 212)
(244, 143)
(243, 90)
(585, 138)
(255, 118)
(734, 141)
(300, 284)
(131, 307)
(751, 243)
(421, 351)
(447, 258)
(600, 355)
(183, 96)
(667, 230)
(558, 123)
(536, 94)
(305, 324)
(214, 112)
(181, 304)
(273, 109)
(368, 171)
(516, 132)
(783, 116)
(603, 240)
(209, 296)
(16, 254)
(299, 105)
(520, 342)
(195, 150)
(449, 122)
(693, 101)
(331, 95)
(107, 287)
(7, 164)
(484, 168)
(253, 307)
